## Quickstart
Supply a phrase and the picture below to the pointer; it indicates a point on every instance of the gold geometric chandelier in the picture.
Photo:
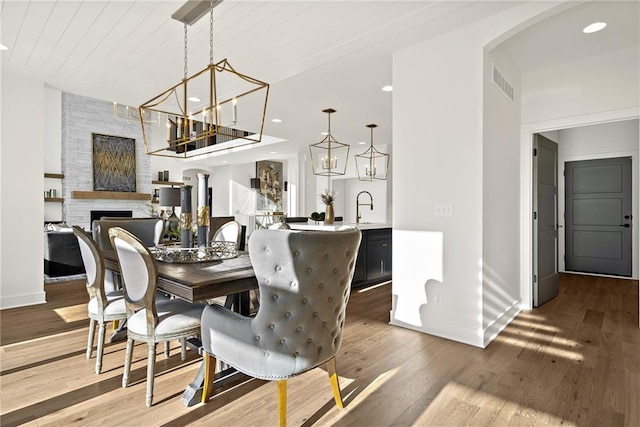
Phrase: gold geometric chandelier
(215, 109)
(329, 156)
(372, 164)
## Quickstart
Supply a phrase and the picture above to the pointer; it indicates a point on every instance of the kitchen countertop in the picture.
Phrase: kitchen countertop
(311, 225)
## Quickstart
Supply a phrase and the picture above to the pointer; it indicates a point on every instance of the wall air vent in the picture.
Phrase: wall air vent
(502, 84)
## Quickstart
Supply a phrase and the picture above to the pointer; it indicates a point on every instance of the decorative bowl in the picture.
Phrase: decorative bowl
(216, 251)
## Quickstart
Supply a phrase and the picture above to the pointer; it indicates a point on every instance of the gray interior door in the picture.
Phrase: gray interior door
(598, 216)
(545, 223)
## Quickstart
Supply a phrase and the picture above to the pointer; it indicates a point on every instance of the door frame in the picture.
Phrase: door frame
(526, 186)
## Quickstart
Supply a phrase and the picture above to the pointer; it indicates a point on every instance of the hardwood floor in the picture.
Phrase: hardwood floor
(574, 361)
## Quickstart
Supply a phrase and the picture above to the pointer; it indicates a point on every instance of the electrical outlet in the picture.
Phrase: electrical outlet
(438, 297)
(443, 209)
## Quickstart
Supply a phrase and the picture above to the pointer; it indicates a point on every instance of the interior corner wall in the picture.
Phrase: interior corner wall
(501, 196)
(53, 150)
(22, 180)
(438, 131)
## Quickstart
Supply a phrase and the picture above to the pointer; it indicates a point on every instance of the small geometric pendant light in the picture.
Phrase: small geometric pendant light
(329, 157)
(372, 164)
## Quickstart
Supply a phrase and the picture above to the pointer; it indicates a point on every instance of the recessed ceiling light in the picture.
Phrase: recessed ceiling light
(194, 99)
(387, 88)
(276, 120)
(273, 152)
(3, 47)
(361, 143)
(324, 133)
(594, 28)
(224, 161)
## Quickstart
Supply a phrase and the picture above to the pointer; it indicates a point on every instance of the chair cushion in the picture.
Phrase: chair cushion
(175, 317)
(115, 305)
(230, 337)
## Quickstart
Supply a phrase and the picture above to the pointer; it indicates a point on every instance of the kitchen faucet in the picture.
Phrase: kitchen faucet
(358, 204)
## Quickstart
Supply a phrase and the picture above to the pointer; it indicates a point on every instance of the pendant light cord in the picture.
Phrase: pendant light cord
(185, 51)
(211, 35)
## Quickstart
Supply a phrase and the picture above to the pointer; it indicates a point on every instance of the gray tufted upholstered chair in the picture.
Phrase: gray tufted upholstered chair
(149, 321)
(304, 279)
(229, 232)
(104, 306)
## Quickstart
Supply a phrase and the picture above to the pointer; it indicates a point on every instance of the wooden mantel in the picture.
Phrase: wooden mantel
(113, 195)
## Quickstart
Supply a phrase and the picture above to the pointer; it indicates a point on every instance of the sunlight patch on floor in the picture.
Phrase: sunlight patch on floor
(458, 404)
(72, 313)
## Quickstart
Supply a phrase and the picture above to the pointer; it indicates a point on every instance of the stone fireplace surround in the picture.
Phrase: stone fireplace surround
(82, 116)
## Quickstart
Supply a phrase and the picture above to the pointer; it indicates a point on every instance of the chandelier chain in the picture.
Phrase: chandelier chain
(211, 35)
(185, 51)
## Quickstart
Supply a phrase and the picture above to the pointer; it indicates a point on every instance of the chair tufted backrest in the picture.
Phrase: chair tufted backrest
(228, 232)
(93, 265)
(139, 273)
(304, 279)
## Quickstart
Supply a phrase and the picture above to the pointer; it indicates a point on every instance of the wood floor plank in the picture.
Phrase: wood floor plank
(573, 361)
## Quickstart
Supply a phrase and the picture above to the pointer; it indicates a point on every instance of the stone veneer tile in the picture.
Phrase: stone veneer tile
(82, 116)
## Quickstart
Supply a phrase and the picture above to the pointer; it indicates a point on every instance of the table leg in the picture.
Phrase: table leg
(120, 334)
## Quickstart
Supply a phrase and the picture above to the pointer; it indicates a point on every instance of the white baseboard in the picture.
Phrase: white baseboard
(492, 331)
(22, 300)
(450, 331)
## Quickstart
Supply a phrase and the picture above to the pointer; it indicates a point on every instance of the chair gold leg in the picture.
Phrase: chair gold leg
(282, 402)
(209, 374)
(333, 379)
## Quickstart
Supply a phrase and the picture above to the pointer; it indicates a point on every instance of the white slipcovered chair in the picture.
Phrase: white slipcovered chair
(304, 279)
(229, 232)
(104, 306)
(149, 321)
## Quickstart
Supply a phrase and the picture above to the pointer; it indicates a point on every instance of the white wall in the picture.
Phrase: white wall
(599, 83)
(444, 298)
(21, 186)
(501, 195)
(615, 139)
(52, 150)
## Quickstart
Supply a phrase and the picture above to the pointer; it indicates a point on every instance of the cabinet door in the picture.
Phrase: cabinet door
(360, 273)
(378, 258)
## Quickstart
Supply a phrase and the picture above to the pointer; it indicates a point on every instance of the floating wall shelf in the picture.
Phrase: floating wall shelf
(113, 195)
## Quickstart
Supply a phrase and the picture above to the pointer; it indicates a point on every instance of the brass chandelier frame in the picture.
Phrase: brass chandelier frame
(370, 160)
(327, 165)
(201, 132)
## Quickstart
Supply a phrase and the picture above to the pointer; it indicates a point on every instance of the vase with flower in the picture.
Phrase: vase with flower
(327, 198)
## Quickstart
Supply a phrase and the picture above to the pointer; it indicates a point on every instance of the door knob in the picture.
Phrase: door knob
(627, 217)
(625, 225)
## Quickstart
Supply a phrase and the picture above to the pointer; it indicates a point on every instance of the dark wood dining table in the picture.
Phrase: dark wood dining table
(199, 281)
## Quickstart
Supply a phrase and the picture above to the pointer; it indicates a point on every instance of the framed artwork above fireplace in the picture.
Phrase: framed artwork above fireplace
(114, 163)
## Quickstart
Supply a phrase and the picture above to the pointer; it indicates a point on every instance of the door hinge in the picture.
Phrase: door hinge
(535, 152)
(535, 278)
(535, 215)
